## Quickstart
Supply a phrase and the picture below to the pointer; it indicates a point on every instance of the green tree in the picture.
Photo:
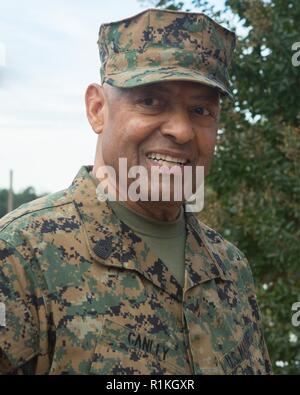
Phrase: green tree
(255, 180)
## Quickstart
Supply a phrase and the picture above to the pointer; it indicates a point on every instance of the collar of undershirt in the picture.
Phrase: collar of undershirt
(146, 225)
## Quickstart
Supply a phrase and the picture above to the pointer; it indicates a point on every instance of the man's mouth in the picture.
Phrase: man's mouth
(167, 160)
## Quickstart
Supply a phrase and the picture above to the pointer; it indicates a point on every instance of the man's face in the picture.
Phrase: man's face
(177, 119)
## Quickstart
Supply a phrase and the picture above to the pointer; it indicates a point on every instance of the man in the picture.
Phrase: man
(134, 287)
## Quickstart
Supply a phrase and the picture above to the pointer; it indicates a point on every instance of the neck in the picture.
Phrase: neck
(163, 211)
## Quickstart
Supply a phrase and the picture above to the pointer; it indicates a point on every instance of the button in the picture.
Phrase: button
(103, 248)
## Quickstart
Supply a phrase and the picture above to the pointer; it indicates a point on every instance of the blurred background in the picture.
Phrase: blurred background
(49, 55)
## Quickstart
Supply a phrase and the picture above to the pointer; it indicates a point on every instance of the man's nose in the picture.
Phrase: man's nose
(178, 127)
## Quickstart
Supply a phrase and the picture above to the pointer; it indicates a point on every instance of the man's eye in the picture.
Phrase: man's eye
(201, 111)
(150, 102)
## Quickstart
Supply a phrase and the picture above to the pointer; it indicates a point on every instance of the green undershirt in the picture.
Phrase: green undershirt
(165, 238)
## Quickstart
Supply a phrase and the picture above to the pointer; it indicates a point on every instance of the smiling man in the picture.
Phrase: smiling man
(135, 286)
(169, 124)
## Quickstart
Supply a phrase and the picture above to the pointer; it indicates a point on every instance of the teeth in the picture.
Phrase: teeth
(166, 158)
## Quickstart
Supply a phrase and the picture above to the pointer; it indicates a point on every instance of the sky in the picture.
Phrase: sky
(48, 57)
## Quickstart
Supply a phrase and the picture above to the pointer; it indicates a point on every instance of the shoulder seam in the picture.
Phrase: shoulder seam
(34, 211)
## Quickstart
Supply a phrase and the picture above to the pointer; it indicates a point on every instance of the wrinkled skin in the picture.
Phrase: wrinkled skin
(180, 117)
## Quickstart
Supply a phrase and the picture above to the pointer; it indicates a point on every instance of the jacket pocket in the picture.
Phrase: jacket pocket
(124, 351)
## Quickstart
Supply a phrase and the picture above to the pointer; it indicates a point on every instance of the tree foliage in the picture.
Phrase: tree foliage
(254, 183)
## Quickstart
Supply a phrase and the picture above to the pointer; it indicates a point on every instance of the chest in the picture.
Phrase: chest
(114, 321)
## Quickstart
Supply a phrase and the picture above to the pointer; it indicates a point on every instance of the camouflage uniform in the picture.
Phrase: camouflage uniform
(156, 46)
(85, 295)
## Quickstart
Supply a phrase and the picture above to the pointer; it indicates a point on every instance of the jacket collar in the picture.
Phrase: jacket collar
(112, 243)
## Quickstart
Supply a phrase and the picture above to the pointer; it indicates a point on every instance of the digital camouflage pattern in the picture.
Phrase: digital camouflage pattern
(85, 295)
(159, 45)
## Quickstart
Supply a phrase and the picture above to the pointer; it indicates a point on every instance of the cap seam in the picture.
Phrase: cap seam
(161, 68)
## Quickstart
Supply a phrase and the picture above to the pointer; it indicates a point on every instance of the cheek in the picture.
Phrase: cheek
(139, 129)
(206, 142)
(124, 136)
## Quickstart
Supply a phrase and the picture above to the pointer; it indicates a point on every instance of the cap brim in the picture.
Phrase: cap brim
(139, 77)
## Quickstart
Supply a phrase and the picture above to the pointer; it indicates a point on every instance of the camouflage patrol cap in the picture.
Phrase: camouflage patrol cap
(162, 45)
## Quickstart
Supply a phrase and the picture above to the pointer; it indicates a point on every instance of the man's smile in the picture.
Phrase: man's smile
(167, 158)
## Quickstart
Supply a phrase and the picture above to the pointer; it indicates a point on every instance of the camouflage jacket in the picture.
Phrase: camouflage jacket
(85, 295)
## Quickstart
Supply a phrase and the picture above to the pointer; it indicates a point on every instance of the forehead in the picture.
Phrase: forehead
(175, 88)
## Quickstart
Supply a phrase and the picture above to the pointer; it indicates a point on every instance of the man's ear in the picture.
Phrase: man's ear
(95, 102)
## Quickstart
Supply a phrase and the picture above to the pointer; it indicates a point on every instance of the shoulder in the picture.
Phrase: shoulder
(214, 241)
(217, 241)
(227, 255)
(37, 216)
